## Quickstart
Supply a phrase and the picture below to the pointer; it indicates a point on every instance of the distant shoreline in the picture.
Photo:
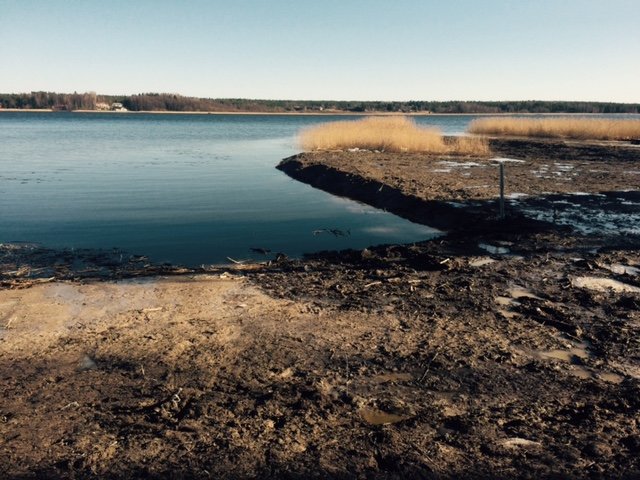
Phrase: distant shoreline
(301, 114)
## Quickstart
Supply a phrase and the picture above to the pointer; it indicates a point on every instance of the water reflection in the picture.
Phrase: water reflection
(181, 189)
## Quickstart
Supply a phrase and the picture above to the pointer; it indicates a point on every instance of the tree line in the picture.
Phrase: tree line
(179, 103)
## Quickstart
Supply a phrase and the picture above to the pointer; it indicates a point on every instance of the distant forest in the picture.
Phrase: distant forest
(160, 102)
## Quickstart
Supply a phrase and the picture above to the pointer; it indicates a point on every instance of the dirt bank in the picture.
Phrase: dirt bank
(458, 192)
(504, 351)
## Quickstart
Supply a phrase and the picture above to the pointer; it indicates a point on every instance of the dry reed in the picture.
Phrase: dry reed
(566, 127)
(389, 134)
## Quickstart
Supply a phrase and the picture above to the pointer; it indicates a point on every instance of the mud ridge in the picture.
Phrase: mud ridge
(435, 213)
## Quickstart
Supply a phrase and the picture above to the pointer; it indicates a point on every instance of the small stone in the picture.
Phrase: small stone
(87, 363)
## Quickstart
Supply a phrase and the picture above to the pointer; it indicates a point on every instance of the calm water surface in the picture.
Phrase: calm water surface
(187, 189)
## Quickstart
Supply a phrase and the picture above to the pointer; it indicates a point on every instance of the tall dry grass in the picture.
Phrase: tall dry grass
(575, 128)
(389, 134)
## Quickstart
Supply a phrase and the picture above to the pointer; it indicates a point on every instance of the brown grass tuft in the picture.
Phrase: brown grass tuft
(389, 134)
(577, 128)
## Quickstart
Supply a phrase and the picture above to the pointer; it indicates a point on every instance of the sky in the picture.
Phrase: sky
(325, 49)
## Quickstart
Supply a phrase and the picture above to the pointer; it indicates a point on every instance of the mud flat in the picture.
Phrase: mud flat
(504, 351)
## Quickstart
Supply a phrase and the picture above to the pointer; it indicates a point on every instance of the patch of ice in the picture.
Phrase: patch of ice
(481, 262)
(564, 166)
(449, 163)
(507, 160)
(493, 249)
(594, 194)
(623, 269)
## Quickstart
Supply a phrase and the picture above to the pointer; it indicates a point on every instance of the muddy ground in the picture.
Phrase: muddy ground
(541, 177)
(507, 351)
(533, 167)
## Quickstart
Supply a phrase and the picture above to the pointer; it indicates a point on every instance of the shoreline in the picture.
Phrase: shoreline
(320, 114)
(493, 349)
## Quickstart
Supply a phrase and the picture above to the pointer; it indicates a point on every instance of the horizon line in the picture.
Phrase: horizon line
(316, 100)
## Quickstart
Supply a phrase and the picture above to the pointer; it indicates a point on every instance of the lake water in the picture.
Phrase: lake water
(187, 189)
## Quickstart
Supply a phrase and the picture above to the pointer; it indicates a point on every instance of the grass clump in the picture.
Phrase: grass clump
(574, 128)
(388, 134)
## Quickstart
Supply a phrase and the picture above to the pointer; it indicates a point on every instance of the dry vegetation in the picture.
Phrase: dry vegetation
(577, 128)
(389, 134)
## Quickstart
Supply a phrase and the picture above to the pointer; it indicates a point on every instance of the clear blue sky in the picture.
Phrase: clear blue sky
(326, 49)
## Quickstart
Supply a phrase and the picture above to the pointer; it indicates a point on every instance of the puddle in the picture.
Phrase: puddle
(377, 417)
(574, 356)
(393, 377)
(521, 292)
(507, 313)
(494, 249)
(514, 294)
(581, 372)
(610, 377)
(586, 373)
(603, 284)
(568, 355)
(481, 262)
(505, 301)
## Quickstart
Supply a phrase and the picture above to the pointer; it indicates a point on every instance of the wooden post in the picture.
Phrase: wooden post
(502, 215)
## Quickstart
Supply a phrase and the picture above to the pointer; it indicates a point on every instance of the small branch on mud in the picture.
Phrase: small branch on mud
(173, 399)
(372, 284)
(69, 405)
(237, 262)
(348, 373)
(426, 370)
